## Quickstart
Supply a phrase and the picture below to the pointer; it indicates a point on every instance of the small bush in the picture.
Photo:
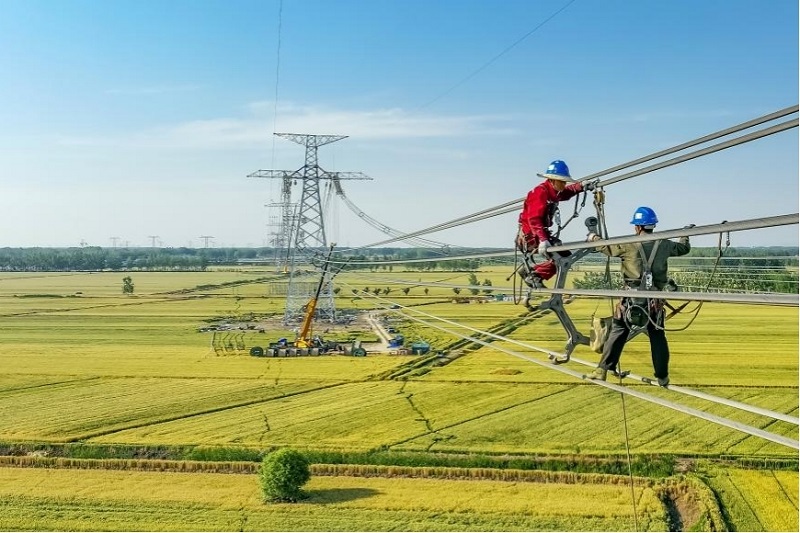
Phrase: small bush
(282, 474)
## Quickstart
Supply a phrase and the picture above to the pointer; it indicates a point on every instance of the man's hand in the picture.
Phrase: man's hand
(521, 241)
(590, 185)
(543, 246)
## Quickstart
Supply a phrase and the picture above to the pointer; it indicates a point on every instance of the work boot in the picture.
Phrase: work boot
(526, 301)
(599, 374)
(663, 382)
(530, 303)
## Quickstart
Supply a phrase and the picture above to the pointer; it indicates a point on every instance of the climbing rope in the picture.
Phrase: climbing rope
(628, 453)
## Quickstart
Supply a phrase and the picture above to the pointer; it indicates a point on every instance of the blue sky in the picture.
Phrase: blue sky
(135, 118)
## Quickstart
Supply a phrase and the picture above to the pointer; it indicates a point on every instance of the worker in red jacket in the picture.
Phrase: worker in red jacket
(538, 212)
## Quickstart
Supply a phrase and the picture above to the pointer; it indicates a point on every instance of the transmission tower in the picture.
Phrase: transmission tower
(302, 227)
(206, 238)
(152, 240)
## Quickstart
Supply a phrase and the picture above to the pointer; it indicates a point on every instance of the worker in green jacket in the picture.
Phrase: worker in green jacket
(644, 267)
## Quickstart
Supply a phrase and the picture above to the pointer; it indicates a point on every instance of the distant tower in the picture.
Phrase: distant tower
(114, 241)
(152, 240)
(206, 238)
(303, 230)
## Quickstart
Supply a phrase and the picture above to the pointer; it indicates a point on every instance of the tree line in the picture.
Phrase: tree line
(94, 258)
(770, 269)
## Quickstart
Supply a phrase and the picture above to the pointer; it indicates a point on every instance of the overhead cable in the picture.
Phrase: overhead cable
(513, 205)
(498, 56)
(466, 219)
(776, 299)
(682, 390)
(700, 140)
(783, 126)
(709, 397)
(732, 424)
(741, 225)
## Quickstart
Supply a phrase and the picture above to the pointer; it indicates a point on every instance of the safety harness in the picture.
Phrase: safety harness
(637, 311)
(528, 262)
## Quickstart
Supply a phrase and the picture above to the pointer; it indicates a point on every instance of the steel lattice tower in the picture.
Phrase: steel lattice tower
(303, 230)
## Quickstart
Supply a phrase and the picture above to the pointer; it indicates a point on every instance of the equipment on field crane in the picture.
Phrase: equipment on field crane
(306, 343)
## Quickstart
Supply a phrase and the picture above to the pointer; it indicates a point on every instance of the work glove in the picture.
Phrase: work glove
(590, 185)
(543, 246)
(592, 237)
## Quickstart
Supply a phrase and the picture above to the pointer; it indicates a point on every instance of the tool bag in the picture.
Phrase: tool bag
(601, 328)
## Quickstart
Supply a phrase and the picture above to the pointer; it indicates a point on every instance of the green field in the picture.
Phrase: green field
(84, 364)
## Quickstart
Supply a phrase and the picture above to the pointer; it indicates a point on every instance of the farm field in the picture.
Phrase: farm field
(106, 370)
(35, 499)
(757, 500)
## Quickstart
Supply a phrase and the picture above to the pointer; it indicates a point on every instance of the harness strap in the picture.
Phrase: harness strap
(647, 264)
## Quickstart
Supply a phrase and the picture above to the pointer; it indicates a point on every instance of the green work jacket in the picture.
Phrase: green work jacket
(632, 264)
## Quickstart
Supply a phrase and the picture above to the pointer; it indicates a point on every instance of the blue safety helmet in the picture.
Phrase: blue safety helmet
(557, 170)
(644, 216)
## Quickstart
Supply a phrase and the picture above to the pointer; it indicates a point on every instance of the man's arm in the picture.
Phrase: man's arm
(611, 250)
(537, 213)
(569, 191)
(682, 247)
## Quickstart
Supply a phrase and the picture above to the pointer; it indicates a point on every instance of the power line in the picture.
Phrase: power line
(514, 205)
(708, 229)
(776, 299)
(498, 56)
(277, 83)
(732, 424)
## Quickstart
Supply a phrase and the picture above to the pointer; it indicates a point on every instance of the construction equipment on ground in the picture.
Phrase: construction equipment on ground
(306, 343)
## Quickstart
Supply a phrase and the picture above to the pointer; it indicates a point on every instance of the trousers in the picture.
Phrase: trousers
(546, 269)
(618, 337)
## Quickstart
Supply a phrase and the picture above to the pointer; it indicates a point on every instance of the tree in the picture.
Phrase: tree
(406, 290)
(456, 290)
(427, 290)
(127, 285)
(473, 280)
(282, 474)
(487, 283)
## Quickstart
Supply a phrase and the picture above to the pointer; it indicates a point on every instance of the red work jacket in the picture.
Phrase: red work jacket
(538, 210)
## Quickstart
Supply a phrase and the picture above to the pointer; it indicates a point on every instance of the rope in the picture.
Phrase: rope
(628, 453)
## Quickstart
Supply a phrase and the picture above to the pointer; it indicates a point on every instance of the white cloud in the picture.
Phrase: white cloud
(254, 130)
